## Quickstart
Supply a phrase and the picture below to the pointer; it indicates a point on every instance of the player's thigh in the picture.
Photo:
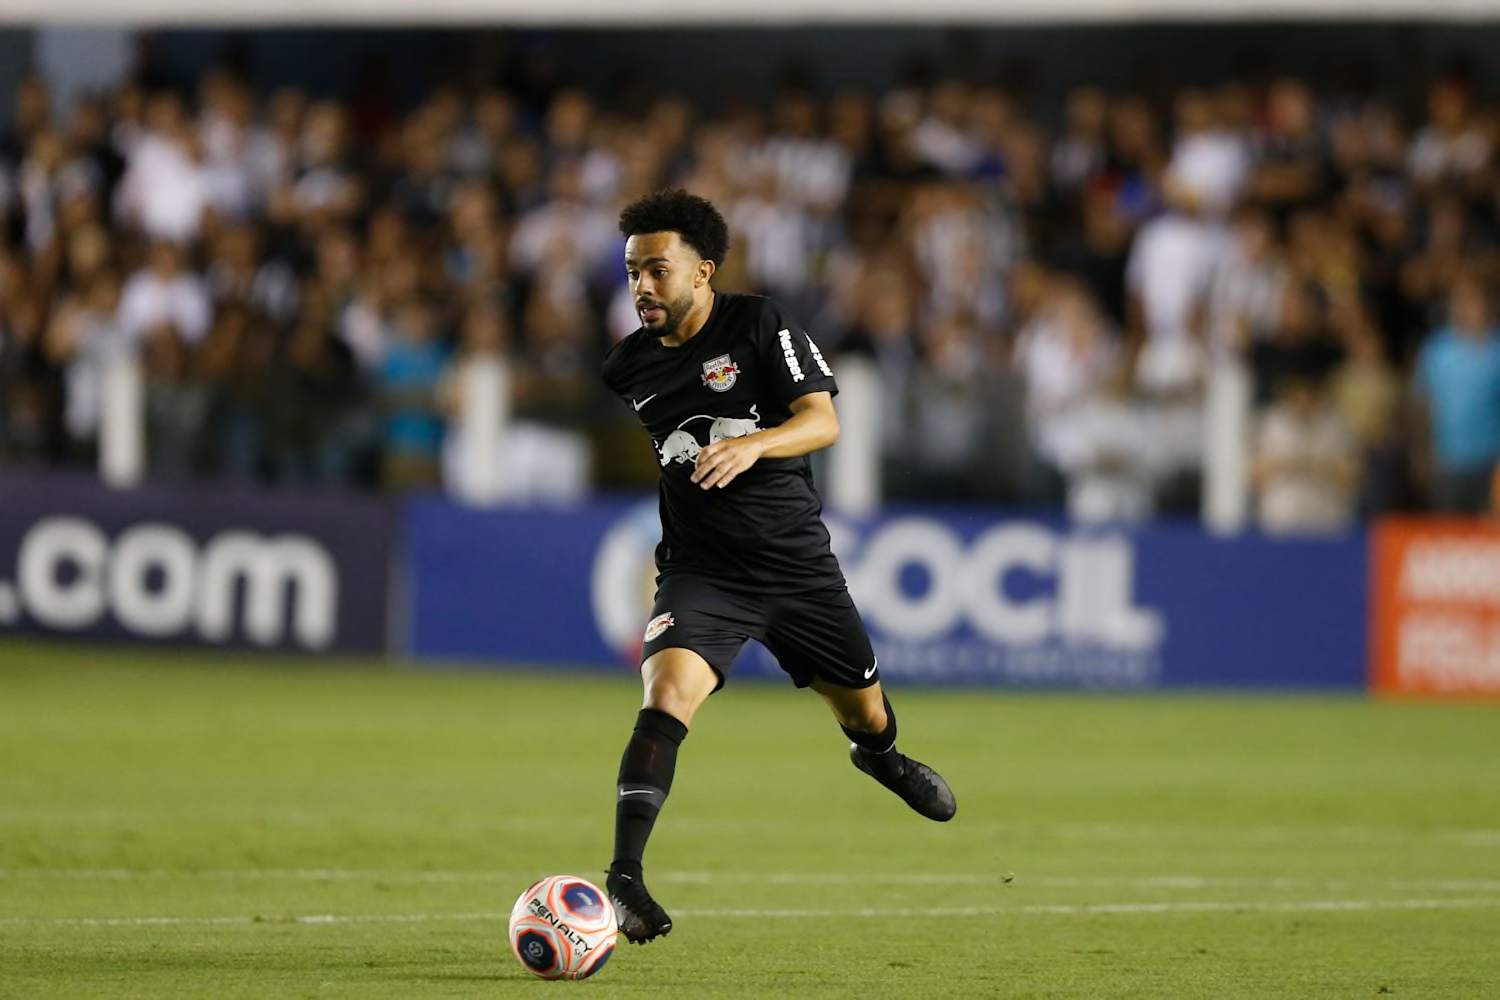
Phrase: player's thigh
(697, 615)
(821, 636)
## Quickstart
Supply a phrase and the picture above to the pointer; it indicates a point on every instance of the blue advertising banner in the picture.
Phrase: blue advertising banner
(512, 584)
(949, 598)
(215, 566)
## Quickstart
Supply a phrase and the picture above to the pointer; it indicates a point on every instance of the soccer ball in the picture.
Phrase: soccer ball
(563, 927)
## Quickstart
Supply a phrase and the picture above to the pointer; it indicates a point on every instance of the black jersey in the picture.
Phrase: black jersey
(737, 375)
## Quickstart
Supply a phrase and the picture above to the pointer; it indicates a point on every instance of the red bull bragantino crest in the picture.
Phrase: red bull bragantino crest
(720, 374)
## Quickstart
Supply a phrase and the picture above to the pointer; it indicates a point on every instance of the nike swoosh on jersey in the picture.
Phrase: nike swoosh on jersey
(644, 401)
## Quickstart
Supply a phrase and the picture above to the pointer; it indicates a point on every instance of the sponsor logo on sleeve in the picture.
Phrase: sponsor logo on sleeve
(818, 358)
(792, 364)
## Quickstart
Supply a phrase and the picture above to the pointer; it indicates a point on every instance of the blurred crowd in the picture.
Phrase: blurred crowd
(1047, 306)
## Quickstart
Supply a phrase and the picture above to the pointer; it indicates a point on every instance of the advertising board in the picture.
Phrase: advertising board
(1435, 618)
(217, 566)
(949, 597)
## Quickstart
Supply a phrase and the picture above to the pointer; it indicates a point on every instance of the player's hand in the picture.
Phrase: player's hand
(721, 461)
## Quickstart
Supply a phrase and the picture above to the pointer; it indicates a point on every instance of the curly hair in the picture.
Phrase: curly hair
(676, 211)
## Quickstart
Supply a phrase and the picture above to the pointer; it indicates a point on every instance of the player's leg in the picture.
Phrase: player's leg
(677, 681)
(696, 631)
(868, 720)
(820, 640)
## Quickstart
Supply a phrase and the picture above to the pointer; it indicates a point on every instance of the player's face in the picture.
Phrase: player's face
(664, 273)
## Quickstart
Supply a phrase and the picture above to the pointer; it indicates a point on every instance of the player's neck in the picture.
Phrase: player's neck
(693, 322)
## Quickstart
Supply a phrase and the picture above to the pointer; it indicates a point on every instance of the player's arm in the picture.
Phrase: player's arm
(814, 424)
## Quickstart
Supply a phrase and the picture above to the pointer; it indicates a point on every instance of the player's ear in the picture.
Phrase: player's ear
(705, 272)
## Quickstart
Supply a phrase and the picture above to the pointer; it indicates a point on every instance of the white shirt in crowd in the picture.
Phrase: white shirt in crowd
(1214, 165)
(1302, 490)
(1063, 367)
(181, 301)
(228, 179)
(1170, 266)
(98, 341)
(589, 233)
(1112, 469)
(777, 239)
(164, 189)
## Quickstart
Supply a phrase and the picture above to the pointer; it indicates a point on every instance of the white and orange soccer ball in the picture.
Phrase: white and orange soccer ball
(563, 927)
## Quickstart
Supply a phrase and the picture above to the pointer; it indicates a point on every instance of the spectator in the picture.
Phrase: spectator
(1064, 356)
(1457, 381)
(316, 427)
(234, 364)
(1208, 159)
(567, 217)
(408, 384)
(225, 133)
(31, 390)
(1098, 252)
(947, 414)
(1171, 264)
(1454, 146)
(1246, 290)
(178, 403)
(165, 190)
(1291, 168)
(1367, 393)
(1301, 343)
(166, 298)
(239, 273)
(1111, 467)
(1078, 156)
(85, 338)
(1305, 463)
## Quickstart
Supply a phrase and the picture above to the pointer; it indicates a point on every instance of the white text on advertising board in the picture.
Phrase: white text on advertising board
(156, 581)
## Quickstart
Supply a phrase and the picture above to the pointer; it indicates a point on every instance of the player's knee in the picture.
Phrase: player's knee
(677, 696)
(665, 696)
(677, 684)
(853, 712)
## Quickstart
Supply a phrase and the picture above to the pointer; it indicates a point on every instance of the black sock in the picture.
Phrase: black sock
(877, 742)
(646, 770)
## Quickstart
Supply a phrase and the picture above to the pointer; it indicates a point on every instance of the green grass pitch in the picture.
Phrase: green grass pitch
(181, 824)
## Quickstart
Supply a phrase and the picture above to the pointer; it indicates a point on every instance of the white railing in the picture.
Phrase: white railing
(1228, 408)
(122, 421)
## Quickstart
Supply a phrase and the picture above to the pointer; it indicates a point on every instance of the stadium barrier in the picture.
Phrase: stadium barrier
(1411, 608)
(214, 566)
(949, 598)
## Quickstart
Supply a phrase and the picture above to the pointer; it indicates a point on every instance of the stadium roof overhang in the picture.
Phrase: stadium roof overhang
(768, 13)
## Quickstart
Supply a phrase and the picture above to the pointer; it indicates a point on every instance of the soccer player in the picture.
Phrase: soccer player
(735, 395)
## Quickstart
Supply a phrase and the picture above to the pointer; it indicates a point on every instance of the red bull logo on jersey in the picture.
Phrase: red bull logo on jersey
(721, 373)
(683, 445)
(658, 625)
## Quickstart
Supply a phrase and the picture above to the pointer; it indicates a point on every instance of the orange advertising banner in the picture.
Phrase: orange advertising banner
(1435, 616)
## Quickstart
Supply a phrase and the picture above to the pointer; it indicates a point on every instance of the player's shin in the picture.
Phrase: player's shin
(646, 770)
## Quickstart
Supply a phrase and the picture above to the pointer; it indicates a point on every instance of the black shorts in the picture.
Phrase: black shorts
(812, 635)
